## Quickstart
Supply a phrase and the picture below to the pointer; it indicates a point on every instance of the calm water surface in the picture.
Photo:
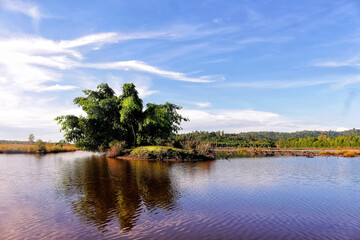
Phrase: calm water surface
(84, 196)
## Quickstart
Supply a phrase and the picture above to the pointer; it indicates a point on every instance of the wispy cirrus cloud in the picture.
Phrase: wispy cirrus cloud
(281, 84)
(351, 62)
(144, 67)
(196, 31)
(25, 7)
(114, 37)
(32, 66)
(334, 82)
(42, 60)
(56, 87)
(203, 104)
(264, 40)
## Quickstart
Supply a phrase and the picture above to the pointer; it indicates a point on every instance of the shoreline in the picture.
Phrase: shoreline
(21, 148)
(253, 152)
(130, 158)
(25, 152)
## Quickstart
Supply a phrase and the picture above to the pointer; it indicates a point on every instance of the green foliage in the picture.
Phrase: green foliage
(131, 114)
(116, 148)
(321, 142)
(204, 148)
(60, 144)
(160, 122)
(192, 144)
(165, 153)
(40, 146)
(110, 118)
(221, 139)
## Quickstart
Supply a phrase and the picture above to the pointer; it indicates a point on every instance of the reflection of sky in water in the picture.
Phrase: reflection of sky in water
(255, 173)
(75, 195)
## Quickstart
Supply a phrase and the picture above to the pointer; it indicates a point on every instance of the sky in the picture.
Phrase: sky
(234, 65)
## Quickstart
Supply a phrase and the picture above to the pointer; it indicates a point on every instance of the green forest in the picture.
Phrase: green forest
(300, 139)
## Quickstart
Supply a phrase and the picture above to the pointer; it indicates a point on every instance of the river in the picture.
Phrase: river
(84, 196)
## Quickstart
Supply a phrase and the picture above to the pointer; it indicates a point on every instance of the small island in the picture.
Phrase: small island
(163, 153)
(121, 126)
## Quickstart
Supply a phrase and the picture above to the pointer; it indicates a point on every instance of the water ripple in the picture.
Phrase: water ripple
(83, 196)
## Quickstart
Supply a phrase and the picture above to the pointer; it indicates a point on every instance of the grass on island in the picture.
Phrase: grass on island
(159, 149)
(33, 148)
(166, 153)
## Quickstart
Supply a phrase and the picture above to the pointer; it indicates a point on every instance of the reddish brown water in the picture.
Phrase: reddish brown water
(79, 196)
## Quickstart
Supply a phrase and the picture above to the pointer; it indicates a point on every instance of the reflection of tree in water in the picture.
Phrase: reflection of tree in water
(196, 168)
(105, 189)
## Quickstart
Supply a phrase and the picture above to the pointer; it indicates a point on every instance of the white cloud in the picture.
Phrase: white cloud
(332, 82)
(187, 31)
(90, 39)
(341, 129)
(351, 62)
(343, 82)
(281, 84)
(32, 116)
(203, 104)
(144, 67)
(56, 87)
(24, 7)
(31, 66)
(217, 20)
(31, 63)
(143, 84)
(264, 40)
(233, 121)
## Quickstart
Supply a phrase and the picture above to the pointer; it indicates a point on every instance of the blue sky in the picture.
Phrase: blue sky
(233, 65)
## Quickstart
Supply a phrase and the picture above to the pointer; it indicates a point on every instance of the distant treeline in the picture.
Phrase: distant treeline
(14, 141)
(321, 142)
(300, 139)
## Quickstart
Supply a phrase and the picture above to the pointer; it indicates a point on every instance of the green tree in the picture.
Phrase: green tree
(160, 122)
(100, 126)
(110, 118)
(40, 146)
(131, 111)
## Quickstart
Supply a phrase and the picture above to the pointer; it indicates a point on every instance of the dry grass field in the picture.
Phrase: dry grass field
(35, 148)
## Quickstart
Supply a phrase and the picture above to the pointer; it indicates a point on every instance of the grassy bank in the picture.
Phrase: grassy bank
(246, 152)
(32, 148)
(163, 153)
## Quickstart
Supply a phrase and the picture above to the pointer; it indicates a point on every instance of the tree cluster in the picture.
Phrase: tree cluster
(112, 118)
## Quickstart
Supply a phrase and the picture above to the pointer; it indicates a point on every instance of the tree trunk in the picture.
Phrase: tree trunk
(132, 127)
